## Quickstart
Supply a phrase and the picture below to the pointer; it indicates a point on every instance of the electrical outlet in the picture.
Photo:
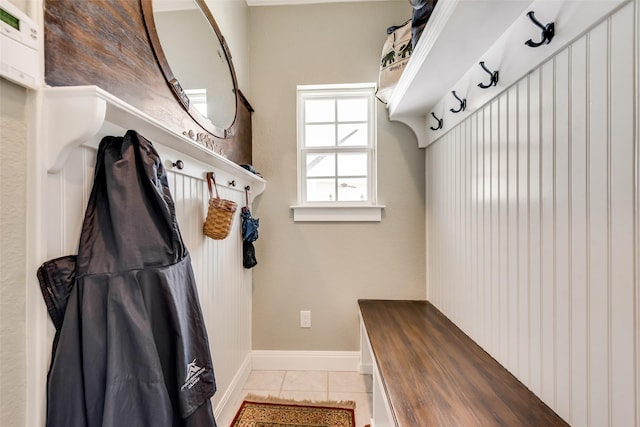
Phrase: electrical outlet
(305, 318)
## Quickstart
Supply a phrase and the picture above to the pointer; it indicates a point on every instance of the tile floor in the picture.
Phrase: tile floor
(315, 385)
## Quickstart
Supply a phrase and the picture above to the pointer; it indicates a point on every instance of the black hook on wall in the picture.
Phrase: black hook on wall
(493, 74)
(439, 122)
(463, 103)
(246, 195)
(548, 31)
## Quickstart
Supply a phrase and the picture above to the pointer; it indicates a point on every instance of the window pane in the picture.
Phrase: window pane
(198, 98)
(320, 135)
(321, 165)
(352, 135)
(319, 110)
(352, 164)
(336, 145)
(352, 110)
(352, 190)
(321, 190)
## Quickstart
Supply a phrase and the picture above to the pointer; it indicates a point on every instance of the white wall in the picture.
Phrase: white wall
(533, 227)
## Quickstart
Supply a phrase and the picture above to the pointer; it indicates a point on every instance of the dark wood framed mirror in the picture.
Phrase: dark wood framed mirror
(195, 60)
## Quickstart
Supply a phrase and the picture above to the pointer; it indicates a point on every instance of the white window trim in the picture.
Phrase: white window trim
(369, 211)
(337, 213)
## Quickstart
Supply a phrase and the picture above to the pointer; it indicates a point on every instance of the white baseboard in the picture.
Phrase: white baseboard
(228, 405)
(366, 368)
(306, 360)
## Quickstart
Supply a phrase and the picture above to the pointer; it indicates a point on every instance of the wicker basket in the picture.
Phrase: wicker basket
(220, 213)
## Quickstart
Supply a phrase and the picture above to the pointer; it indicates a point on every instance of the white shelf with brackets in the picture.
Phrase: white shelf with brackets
(461, 34)
(76, 116)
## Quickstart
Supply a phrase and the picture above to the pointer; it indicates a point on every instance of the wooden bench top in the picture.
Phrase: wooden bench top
(435, 375)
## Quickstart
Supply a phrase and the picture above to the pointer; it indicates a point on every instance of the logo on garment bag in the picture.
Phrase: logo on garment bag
(193, 375)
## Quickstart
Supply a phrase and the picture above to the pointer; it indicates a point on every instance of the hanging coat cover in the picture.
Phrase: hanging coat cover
(132, 349)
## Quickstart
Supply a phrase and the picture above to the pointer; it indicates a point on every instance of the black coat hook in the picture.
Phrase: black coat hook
(493, 74)
(439, 122)
(548, 31)
(246, 196)
(463, 103)
(178, 164)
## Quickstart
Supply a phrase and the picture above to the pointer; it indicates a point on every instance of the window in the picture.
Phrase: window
(198, 98)
(337, 153)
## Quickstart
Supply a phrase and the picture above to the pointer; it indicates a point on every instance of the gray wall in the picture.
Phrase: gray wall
(13, 212)
(327, 267)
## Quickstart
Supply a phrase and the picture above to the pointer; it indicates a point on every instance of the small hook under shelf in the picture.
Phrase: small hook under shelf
(246, 195)
(463, 103)
(178, 164)
(548, 31)
(232, 183)
(439, 122)
(493, 74)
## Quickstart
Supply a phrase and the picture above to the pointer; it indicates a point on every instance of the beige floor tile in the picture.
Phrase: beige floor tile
(314, 396)
(305, 381)
(265, 380)
(350, 382)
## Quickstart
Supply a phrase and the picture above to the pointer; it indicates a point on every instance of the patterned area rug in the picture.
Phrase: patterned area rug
(257, 411)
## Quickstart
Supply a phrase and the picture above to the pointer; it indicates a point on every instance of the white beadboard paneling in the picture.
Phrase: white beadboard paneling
(467, 297)
(621, 220)
(578, 232)
(493, 203)
(547, 232)
(534, 232)
(532, 219)
(512, 230)
(561, 235)
(598, 224)
(523, 232)
(487, 265)
(503, 224)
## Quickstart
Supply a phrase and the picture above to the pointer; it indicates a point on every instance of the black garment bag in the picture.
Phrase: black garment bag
(131, 348)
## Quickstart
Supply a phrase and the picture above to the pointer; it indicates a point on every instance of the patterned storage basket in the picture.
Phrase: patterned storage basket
(220, 213)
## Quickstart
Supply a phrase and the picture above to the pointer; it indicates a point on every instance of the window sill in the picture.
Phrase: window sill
(337, 213)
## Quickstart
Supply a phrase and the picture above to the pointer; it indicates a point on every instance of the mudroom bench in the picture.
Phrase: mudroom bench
(427, 372)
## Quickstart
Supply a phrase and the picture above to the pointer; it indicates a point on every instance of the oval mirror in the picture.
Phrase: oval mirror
(195, 60)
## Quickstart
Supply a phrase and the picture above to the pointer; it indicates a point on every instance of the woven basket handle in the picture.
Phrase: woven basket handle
(212, 177)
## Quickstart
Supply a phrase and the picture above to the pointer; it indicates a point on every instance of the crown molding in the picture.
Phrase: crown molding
(301, 2)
